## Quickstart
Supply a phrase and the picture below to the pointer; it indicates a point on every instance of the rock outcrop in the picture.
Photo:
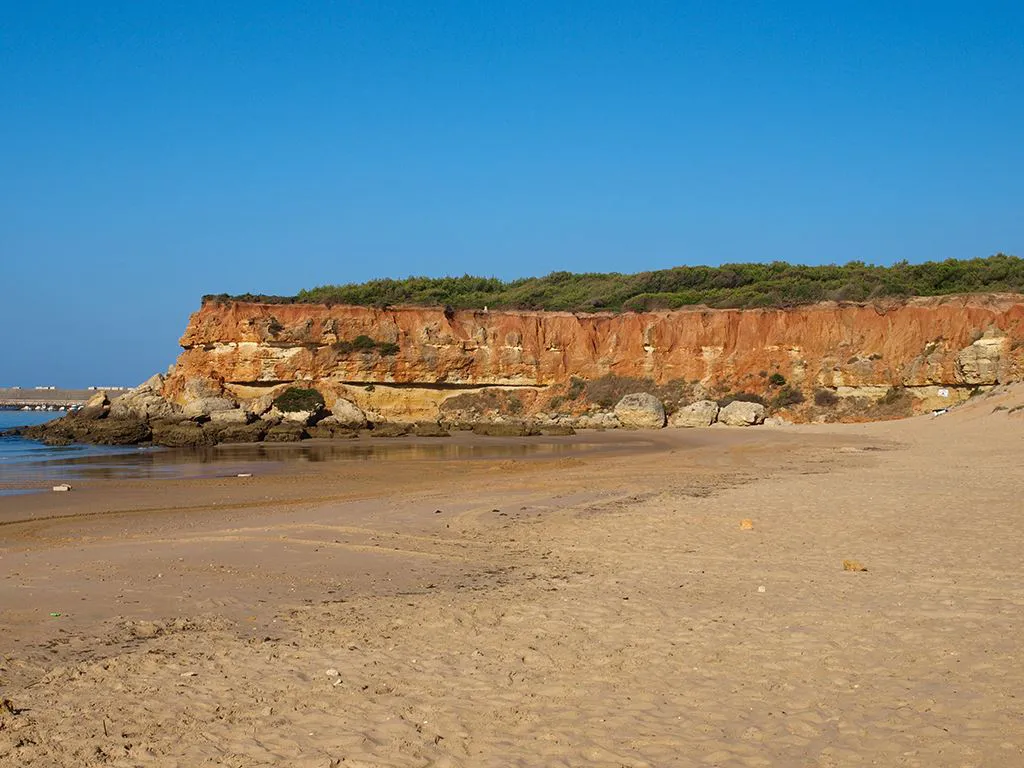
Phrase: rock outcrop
(145, 402)
(980, 362)
(640, 410)
(742, 414)
(702, 413)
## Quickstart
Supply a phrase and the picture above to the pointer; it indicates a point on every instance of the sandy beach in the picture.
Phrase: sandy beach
(606, 608)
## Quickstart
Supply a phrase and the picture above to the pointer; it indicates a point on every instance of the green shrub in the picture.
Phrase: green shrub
(489, 402)
(893, 395)
(777, 380)
(577, 386)
(609, 389)
(298, 399)
(365, 344)
(825, 398)
(788, 396)
(897, 402)
(728, 285)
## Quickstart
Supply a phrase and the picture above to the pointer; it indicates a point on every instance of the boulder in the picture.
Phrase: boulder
(144, 402)
(96, 407)
(98, 400)
(979, 363)
(234, 416)
(205, 407)
(557, 430)
(261, 405)
(286, 432)
(345, 413)
(429, 429)
(115, 432)
(506, 429)
(142, 407)
(154, 385)
(102, 431)
(392, 429)
(740, 413)
(640, 411)
(302, 418)
(199, 388)
(183, 434)
(702, 413)
(457, 426)
(600, 420)
(322, 431)
(241, 433)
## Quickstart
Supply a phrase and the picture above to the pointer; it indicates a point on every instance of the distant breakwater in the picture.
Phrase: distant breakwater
(12, 399)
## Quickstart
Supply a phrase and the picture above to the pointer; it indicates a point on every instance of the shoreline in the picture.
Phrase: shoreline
(605, 609)
(152, 462)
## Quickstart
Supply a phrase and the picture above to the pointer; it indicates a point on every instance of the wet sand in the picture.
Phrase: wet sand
(602, 608)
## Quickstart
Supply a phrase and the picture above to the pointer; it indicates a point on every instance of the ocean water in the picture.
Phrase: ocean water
(10, 419)
(28, 465)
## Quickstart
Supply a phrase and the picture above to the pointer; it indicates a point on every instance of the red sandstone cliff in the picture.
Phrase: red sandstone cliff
(954, 343)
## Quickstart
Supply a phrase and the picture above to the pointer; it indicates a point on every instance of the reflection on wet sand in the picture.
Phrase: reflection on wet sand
(220, 460)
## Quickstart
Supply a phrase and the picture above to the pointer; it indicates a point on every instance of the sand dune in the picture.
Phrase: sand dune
(608, 610)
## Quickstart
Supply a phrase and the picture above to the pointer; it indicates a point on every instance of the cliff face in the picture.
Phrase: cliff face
(413, 359)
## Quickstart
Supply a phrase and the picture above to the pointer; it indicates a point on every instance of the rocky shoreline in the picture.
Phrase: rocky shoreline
(293, 413)
(251, 372)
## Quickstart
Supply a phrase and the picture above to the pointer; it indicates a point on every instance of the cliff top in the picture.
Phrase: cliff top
(777, 284)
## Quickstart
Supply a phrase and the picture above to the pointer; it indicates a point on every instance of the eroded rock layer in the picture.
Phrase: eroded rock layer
(404, 362)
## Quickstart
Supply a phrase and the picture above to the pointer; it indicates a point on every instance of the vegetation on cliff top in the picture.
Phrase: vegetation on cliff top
(730, 285)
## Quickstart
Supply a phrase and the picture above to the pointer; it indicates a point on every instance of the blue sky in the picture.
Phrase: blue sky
(154, 152)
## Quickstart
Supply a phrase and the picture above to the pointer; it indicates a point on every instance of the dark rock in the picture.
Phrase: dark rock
(115, 432)
(183, 435)
(430, 429)
(391, 429)
(56, 440)
(90, 413)
(323, 431)
(58, 428)
(557, 430)
(169, 421)
(97, 407)
(457, 426)
(286, 432)
(241, 433)
(102, 431)
(509, 429)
